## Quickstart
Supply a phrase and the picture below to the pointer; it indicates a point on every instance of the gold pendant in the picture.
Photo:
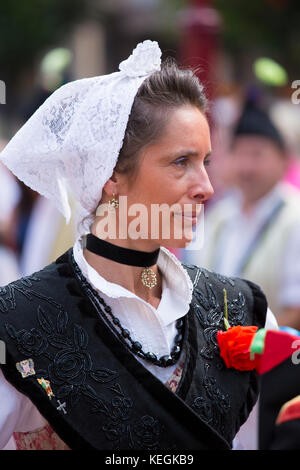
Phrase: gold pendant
(148, 278)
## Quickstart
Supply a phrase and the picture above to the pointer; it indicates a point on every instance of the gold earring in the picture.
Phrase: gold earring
(113, 202)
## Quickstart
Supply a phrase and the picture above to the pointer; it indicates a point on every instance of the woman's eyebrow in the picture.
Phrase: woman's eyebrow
(187, 153)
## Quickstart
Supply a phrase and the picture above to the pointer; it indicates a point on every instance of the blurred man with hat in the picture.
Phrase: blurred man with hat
(254, 231)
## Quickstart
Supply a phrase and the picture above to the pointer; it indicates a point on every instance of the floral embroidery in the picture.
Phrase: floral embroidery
(121, 408)
(115, 432)
(30, 342)
(46, 439)
(71, 373)
(210, 315)
(215, 394)
(147, 430)
(204, 408)
(23, 286)
(71, 365)
(237, 310)
(214, 404)
(143, 434)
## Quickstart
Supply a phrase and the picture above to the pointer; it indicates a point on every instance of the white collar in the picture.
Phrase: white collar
(177, 286)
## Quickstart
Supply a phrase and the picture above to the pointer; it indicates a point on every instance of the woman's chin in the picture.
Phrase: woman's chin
(177, 243)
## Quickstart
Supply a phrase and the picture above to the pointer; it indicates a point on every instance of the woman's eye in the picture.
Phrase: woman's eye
(182, 161)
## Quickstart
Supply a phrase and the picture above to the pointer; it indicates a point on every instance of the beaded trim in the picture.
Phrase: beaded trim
(124, 334)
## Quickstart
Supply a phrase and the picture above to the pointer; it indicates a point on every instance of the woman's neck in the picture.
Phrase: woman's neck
(126, 276)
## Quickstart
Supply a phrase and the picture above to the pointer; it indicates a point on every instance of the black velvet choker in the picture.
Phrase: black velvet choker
(120, 254)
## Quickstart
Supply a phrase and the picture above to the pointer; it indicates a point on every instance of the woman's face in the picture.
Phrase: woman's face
(172, 172)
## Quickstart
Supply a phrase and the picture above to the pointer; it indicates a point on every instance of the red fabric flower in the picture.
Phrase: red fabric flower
(234, 347)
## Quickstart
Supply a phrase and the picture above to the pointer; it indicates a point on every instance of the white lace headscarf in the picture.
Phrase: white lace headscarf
(72, 142)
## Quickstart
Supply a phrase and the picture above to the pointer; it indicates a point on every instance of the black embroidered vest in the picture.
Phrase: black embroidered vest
(103, 398)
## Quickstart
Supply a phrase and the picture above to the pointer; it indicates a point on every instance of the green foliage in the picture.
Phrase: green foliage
(28, 26)
(271, 26)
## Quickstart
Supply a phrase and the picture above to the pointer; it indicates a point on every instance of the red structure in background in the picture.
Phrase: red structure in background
(201, 25)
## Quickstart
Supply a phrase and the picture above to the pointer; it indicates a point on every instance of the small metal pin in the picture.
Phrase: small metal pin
(61, 407)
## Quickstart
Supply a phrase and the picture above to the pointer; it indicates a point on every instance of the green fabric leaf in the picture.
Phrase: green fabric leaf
(258, 342)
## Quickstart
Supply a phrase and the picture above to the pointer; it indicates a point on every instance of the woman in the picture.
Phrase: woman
(115, 342)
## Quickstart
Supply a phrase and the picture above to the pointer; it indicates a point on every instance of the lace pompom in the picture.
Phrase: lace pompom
(145, 59)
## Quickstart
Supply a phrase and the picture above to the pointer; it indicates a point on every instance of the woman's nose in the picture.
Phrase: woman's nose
(201, 189)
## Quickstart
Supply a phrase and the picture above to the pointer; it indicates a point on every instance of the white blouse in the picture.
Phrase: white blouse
(154, 328)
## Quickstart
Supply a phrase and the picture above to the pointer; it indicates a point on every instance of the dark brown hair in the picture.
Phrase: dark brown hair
(159, 94)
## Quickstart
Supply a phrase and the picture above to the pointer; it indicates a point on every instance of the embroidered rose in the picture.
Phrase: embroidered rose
(114, 431)
(148, 430)
(203, 407)
(145, 58)
(70, 366)
(121, 407)
(235, 345)
(31, 342)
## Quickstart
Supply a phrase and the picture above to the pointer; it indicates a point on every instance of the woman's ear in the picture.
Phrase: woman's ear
(112, 184)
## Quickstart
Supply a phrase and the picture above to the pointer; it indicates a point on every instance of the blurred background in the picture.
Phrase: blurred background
(245, 51)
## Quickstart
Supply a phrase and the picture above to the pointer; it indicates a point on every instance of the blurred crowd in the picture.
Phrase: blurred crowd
(252, 224)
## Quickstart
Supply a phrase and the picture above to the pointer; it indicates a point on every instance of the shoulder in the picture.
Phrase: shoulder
(289, 193)
(48, 271)
(200, 275)
(245, 299)
(49, 285)
(291, 199)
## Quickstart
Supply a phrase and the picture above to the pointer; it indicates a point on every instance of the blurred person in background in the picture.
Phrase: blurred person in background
(286, 117)
(9, 198)
(47, 233)
(254, 231)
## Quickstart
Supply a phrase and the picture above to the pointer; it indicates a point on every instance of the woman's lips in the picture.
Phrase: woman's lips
(191, 219)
